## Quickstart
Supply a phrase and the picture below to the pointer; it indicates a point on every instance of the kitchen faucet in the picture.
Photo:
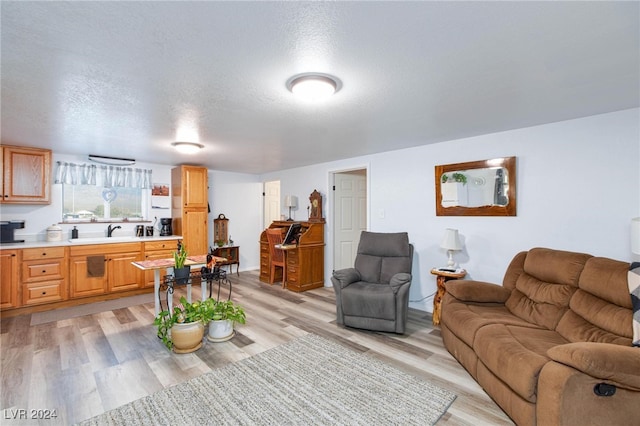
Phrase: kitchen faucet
(110, 230)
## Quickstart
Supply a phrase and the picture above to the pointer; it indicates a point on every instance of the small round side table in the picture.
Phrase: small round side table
(442, 277)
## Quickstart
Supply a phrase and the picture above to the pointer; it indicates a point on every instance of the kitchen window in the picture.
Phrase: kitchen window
(103, 193)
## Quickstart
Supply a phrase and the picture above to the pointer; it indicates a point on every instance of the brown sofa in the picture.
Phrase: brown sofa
(552, 345)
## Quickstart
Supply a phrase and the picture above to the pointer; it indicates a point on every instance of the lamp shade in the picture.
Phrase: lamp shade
(291, 201)
(451, 240)
(635, 235)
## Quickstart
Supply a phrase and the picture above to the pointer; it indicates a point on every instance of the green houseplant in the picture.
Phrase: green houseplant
(180, 272)
(182, 328)
(222, 315)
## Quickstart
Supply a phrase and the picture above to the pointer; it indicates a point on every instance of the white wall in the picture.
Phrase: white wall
(578, 186)
(239, 197)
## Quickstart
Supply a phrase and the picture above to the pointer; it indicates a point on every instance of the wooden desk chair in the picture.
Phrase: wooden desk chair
(276, 256)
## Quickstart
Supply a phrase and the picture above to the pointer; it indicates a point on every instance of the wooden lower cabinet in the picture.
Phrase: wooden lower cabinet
(44, 275)
(81, 285)
(303, 272)
(9, 279)
(33, 277)
(122, 275)
(117, 274)
(265, 264)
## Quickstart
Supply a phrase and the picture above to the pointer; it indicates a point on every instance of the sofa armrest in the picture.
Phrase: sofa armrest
(398, 280)
(477, 291)
(605, 361)
(347, 276)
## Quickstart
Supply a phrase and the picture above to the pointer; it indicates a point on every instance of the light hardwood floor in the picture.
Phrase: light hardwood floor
(84, 366)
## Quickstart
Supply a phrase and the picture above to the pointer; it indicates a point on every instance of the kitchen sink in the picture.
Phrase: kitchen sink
(101, 240)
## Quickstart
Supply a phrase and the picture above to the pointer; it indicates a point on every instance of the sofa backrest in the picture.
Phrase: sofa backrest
(542, 282)
(601, 308)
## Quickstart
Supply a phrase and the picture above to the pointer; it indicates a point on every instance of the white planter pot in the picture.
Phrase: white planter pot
(220, 331)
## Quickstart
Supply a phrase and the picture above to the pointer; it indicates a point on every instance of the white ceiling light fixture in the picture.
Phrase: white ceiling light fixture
(187, 147)
(313, 86)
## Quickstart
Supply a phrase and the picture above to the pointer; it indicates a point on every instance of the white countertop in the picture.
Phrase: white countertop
(89, 241)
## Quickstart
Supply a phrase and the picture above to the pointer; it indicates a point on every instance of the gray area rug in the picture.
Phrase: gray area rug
(307, 381)
(89, 309)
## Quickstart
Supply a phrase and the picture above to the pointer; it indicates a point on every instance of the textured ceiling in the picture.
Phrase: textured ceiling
(128, 78)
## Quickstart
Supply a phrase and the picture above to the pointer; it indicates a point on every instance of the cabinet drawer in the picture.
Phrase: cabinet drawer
(50, 291)
(43, 253)
(292, 277)
(38, 270)
(160, 245)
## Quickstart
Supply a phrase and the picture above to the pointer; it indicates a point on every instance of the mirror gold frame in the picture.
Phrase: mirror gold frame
(508, 163)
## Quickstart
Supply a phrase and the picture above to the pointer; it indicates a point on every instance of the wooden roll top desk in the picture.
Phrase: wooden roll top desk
(305, 263)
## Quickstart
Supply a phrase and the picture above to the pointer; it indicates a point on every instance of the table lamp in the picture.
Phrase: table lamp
(290, 201)
(451, 242)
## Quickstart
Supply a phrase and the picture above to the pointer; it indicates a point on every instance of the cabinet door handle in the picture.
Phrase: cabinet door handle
(44, 254)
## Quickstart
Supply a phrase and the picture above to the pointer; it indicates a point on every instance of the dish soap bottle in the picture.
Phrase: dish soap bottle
(74, 233)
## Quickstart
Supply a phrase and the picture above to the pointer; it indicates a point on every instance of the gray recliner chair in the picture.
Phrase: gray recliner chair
(374, 295)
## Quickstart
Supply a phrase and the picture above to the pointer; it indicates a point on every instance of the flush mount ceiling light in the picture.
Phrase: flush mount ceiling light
(188, 147)
(313, 86)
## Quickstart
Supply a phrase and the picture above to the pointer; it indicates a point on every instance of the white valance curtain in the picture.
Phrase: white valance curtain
(105, 176)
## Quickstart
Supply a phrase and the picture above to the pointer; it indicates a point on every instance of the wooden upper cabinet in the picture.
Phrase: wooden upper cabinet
(189, 187)
(189, 207)
(26, 175)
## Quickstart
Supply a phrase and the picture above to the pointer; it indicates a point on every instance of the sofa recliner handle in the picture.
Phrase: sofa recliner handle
(604, 389)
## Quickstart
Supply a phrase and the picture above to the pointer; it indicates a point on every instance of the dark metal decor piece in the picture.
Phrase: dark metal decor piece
(169, 282)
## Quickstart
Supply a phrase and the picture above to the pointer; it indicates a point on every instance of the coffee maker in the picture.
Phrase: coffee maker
(165, 230)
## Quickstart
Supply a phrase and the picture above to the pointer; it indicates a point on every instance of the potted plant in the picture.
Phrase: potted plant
(180, 272)
(182, 328)
(221, 316)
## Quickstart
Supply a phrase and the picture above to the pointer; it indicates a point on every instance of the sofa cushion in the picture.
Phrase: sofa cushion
(369, 300)
(516, 354)
(465, 319)
(543, 289)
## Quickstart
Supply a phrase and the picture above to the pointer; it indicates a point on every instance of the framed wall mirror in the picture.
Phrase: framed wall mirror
(477, 188)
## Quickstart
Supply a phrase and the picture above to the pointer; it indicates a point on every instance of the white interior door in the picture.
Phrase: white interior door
(271, 202)
(350, 216)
